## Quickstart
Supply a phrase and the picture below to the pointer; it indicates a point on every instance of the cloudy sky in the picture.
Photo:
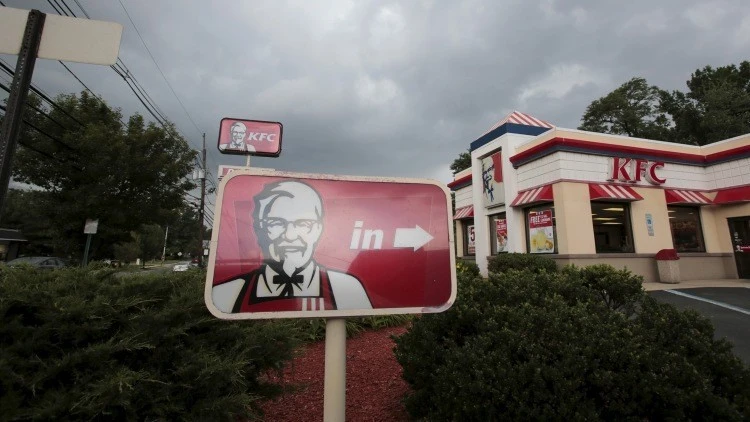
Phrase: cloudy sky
(392, 88)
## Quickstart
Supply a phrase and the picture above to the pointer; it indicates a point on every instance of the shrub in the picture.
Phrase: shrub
(81, 344)
(520, 261)
(581, 344)
(314, 329)
(467, 267)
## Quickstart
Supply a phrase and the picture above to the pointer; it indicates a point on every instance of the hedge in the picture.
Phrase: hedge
(520, 261)
(581, 344)
(86, 345)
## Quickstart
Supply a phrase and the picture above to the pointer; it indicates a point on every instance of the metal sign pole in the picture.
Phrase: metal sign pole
(86, 251)
(19, 90)
(334, 388)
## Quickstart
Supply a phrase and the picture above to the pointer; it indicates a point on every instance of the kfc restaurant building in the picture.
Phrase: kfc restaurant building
(587, 198)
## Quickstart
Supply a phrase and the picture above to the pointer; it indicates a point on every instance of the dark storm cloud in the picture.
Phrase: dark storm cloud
(399, 88)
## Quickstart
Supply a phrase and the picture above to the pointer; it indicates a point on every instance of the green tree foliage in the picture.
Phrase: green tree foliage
(125, 175)
(84, 344)
(715, 107)
(462, 162)
(632, 110)
(581, 344)
(27, 210)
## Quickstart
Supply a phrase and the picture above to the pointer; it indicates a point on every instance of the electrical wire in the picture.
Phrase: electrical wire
(157, 66)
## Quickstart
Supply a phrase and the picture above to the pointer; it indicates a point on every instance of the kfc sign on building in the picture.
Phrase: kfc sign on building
(250, 137)
(288, 245)
(634, 170)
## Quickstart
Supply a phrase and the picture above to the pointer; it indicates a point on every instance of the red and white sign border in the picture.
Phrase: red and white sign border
(329, 313)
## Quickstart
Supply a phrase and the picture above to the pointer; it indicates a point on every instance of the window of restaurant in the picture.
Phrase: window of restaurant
(612, 229)
(541, 230)
(469, 238)
(685, 225)
(498, 233)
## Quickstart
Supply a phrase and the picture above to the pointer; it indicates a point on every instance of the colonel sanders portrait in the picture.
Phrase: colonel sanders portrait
(288, 223)
(237, 133)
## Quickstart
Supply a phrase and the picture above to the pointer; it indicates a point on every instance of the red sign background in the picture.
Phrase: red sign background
(257, 135)
(392, 277)
(540, 219)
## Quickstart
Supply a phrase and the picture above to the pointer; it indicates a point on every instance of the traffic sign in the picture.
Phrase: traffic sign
(288, 245)
(250, 137)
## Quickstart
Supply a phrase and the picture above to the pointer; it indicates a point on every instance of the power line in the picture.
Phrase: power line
(38, 151)
(40, 111)
(2, 107)
(40, 93)
(157, 66)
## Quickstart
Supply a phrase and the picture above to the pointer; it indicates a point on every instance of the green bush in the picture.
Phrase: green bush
(314, 329)
(520, 261)
(582, 344)
(467, 267)
(82, 344)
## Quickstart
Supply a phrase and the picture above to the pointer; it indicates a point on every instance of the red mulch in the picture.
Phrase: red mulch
(374, 387)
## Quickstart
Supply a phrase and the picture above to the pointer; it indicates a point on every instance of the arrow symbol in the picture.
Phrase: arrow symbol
(411, 238)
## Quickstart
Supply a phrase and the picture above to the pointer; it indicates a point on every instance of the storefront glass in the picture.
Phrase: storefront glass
(687, 233)
(498, 233)
(612, 230)
(541, 230)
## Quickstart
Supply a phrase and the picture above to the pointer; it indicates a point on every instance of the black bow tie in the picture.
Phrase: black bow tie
(288, 283)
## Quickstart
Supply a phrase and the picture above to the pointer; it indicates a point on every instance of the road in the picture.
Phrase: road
(727, 307)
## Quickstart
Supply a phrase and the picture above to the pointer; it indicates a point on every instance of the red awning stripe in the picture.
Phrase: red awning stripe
(464, 212)
(616, 192)
(732, 195)
(532, 196)
(686, 197)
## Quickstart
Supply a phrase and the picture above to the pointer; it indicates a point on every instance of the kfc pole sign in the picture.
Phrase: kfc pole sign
(288, 245)
(250, 137)
(633, 170)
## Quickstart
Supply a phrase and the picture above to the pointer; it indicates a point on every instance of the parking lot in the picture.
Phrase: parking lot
(727, 307)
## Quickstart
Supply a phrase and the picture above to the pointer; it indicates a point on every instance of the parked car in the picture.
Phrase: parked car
(41, 262)
(184, 266)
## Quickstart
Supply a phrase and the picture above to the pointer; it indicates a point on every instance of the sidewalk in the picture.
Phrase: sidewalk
(697, 283)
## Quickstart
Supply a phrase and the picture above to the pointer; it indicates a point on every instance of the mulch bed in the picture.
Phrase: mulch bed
(374, 387)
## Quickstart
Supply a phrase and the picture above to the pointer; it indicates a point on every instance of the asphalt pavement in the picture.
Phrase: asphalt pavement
(727, 307)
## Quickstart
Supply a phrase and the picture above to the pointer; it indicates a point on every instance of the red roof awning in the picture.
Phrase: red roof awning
(460, 182)
(464, 212)
(675, 196)
(612, 193)
(534, 196)
(731, 195)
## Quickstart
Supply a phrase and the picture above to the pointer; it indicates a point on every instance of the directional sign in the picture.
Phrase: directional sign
(64, 38)
(250, 137)
(288, 245)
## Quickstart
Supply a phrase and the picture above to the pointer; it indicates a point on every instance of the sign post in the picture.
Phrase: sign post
(289, 245)
(32, 34)
(89, 229)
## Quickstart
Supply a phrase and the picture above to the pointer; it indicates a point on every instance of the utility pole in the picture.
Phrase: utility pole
(203, 201)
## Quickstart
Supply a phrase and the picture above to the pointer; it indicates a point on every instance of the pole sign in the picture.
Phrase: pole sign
(250, 137)
(289, 245)
(91, 226)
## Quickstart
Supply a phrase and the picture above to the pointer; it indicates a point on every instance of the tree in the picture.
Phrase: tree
(715, 107)
(462, 162)
(632, 110)
(124, 175)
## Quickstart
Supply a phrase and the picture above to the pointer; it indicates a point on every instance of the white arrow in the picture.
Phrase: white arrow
(411, 238)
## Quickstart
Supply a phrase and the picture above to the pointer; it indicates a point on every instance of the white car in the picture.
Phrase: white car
(181, 266)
